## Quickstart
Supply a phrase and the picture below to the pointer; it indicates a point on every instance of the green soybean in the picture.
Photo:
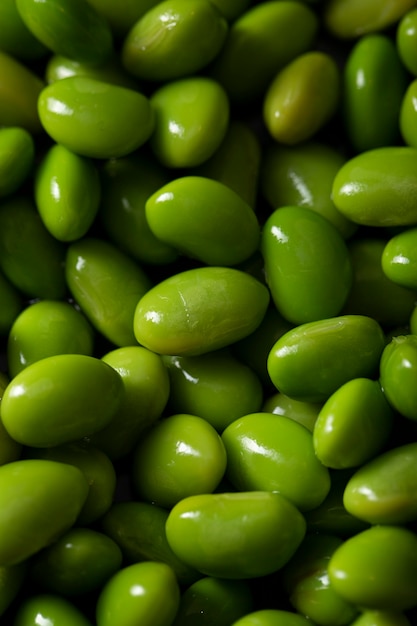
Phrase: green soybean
(94, 118)
(200, 310)
(262, 447)
(374, 188)
(69, 27)
(383, 490)
(381, 618)
(60, 399)
(377, 568)
(15, 37)
(206, 531)
(302, 98)
(11, 304)
(51, 609)
(67, 193)
(399, 261)
(406, 40)
(311, 286)
(272, 617)
(17, 156)
(186, 212)
(305, 413)
(111, 71)
(191, 120)
(64, 330)
(157, 47)
(106, 284)
(313, 360)
(32, 497)
(397, 371)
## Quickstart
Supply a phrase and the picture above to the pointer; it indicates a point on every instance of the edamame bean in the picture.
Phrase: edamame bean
(305, 413)
(15, 37)
(302, 98)
(186, 213)
(180, 456)
(69, 27)
(311, 361)
(406, 40)
(106, 284)
(11, 304)
(397, 369)
(94, 118)
(17, 156)
(64, 330)
(383, 491)
(173, 39)
(381, 618)
(191, 120)
(123, 15)
(200, 310)
(112, 71)
(311, 286)
(373, 71)
(34, 493)
(353, 425)
(215, 386)
(51, 609)
(262, 447)
(145, 593)
(10, 450)
(67, 193)
(80, 561)
(206, 532)
(408, 115)
(399, 260)
(272, 617)
(374, 187)
(377, 568)
(60, 399)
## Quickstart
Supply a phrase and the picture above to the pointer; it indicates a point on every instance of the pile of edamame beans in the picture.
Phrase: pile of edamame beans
(208, 286)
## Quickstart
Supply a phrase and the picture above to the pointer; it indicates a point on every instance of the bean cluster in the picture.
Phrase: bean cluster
(208, 320)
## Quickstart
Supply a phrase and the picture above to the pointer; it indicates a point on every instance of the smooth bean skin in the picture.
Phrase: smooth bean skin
(399, 259)
(347, 19)
(11, 304)
(215, 386)
(191, 120)
(302, 98)
(199, 310)
(16, 39)
(146, 391)
(214, 602)
(69, 27)
(180, 456)
(353, 425)
(302, 175)
(124, 15)
(268, 452)
(67, 193)
(60, 399)
(30, 257)
(111, 71)
(19, 92)
(307, 583)
(397, 371)
(10, 450)
(98, 470)
(305, 413)
(311, 361)
(94, 118)
(64, 330)
(126, 185)
(173, 39)
(51, 609)
(373, 292)
(377, 568)
(406, 40)
(107, 284)
(11, 581)
(373, 71)
(260, 42)
(186, 212)
(138, 528)
(272, 617)
(383, 491)
(314, 285)
(374, 188)
(45, 495)
(236, 163)
(206, 531)
(143, 593)
(408, 115)
(381, 618)
(17, 155)
(80, 561)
